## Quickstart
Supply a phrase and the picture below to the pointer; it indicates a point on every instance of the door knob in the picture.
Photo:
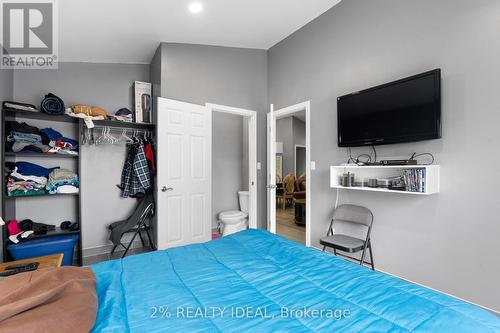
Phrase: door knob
(271, 186)
(165, 189)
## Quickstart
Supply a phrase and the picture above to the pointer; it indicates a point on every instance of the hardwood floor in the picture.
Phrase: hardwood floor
(286, 227)
(117, 255)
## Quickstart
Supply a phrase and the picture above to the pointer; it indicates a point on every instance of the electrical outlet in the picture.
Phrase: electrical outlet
(313, 165)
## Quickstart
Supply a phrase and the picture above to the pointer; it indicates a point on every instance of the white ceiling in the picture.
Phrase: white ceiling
(129, 31)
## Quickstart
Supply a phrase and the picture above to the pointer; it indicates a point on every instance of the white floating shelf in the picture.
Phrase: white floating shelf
(378, 171)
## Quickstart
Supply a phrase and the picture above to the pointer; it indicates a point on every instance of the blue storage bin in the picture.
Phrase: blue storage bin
(45, 246)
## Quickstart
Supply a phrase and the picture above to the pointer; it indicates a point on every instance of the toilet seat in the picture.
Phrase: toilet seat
(234, 221)
(233, 214)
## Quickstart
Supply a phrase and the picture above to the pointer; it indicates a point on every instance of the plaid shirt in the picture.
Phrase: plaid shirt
(136, 178)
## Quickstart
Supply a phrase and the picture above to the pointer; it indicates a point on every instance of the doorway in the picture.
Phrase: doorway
(184, 171)
(289, 190)
(249, 169)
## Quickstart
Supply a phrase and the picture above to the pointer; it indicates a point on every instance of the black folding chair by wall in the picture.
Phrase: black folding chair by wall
(355, 216)
(137, 223)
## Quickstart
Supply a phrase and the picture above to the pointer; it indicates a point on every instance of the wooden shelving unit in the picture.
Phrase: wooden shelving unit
(44, 155)
(9, 202)
(12, 115)
(6, 197)
(33, 118)
(124, 124)
(377, 172)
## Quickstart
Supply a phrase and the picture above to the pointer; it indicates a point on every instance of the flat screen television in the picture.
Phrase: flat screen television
(401, 111)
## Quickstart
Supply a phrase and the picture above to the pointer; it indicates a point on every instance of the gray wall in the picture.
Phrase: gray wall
(290, 131)
(6, 77)
(284, 134)
(223, 75)
(111, 87)
(299, 138)
(227, 162)
(300, 160)
(447, 241)
(155, 78)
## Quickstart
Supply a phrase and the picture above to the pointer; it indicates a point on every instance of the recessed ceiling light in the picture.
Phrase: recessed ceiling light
(196, 7)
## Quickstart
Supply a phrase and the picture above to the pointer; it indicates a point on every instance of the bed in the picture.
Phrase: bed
(254, 281)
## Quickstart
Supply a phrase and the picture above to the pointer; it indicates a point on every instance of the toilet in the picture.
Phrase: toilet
(235, 220)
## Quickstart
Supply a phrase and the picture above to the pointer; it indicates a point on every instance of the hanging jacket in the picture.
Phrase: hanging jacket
(136, 178)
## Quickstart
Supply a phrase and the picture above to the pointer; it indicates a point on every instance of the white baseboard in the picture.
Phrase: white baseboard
(497, 313)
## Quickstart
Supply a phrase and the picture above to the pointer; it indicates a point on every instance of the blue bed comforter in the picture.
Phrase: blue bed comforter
(254, 281)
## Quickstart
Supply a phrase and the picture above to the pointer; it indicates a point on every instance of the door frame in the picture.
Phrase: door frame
(272, 117)
(252, 154)
(295, 157)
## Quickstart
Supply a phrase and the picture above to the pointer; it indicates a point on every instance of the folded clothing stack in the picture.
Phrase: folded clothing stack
(16, 106)
(58, 143)
(27, 179)
(23, 137)
(62, 181)
(26, 138)
(123, 114)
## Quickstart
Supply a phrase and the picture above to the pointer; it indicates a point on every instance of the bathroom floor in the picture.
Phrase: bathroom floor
(286, 227)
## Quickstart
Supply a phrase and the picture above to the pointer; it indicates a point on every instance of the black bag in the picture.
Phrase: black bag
(53, 105)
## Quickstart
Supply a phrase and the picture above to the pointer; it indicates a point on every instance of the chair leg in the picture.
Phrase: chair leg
(151, 245)
(130, 244)
(324, 248)
(371, 255)
(361, 262)
(142, 239)
(334, 251)
(113, 250)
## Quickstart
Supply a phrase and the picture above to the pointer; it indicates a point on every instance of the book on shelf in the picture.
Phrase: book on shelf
(414, 180)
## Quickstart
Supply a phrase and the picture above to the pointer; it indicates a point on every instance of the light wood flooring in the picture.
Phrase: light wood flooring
(286, 227)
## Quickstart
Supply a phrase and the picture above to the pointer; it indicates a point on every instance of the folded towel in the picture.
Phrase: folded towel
(19, 106)
(67, 189)
(62, 175)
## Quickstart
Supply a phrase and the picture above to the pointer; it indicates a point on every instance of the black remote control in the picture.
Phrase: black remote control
(25, 268)
(16, 266)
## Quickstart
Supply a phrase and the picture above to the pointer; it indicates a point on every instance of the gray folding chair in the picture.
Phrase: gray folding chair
(136, 223)
(354, 215)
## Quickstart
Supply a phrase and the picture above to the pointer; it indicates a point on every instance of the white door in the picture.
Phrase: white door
(184, 146)
(271, 172)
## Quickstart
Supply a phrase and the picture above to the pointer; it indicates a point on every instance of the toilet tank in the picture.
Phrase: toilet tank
(243, 197)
